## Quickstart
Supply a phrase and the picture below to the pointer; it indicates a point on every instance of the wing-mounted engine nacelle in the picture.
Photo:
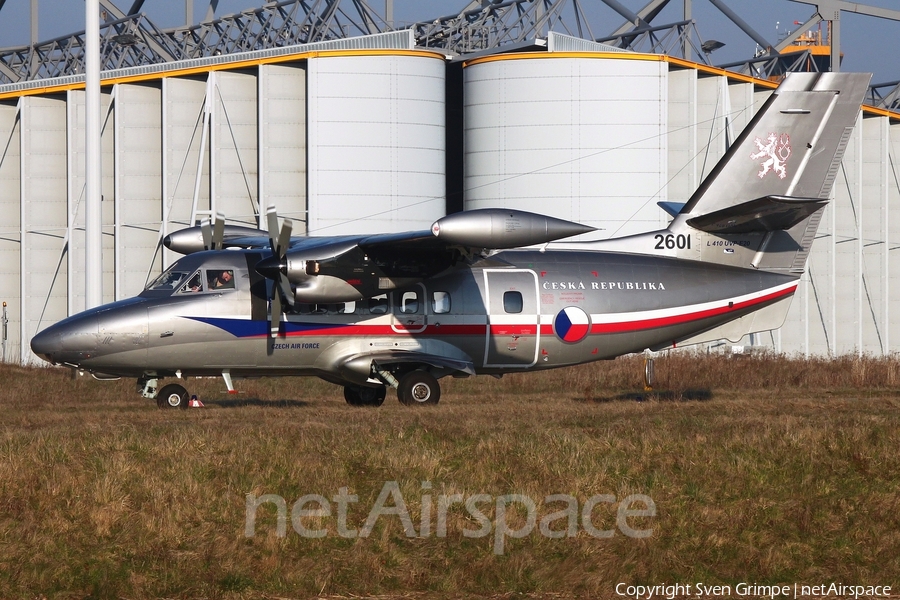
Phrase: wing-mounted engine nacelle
(501, 228)
(313, 287)
(315, 278)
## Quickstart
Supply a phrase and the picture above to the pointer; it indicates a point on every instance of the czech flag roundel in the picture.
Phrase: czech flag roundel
(571, 324)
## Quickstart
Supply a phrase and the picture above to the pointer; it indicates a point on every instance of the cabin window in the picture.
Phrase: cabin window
(194, 284)
(220, 279)
(409, 303)
(168, 280)
(512, 302)
(378, 305)
(440, 302)
(338, 308)
(302, 308)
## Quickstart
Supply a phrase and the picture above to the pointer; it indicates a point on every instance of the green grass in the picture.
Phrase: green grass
(762, 470)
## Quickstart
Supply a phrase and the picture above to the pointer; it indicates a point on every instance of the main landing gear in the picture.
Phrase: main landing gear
(413, 388)
(418, 387)
(357, 395)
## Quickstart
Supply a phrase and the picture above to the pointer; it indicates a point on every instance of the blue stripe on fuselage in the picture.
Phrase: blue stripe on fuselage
(245, 328)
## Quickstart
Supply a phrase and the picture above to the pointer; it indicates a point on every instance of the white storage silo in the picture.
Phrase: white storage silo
(576, 135)
(375, 141)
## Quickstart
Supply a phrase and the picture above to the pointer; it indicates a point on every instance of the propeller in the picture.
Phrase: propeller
(213, 236)
(279, 242)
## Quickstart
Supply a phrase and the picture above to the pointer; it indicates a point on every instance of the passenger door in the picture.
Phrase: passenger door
(409, 310)
(513, 330)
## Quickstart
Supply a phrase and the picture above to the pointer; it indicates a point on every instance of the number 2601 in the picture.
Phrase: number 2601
(671, 241)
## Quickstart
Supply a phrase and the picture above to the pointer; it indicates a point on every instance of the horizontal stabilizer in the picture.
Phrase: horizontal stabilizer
(769, 213)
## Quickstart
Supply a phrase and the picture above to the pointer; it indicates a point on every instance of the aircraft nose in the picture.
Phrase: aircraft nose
(45, 343)
(71, 340)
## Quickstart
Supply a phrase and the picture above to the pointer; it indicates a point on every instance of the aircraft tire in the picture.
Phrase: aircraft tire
(364, 396)
(172, 396)
(418, 387)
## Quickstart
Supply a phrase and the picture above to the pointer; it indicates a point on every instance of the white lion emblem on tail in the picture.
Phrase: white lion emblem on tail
(776, 149)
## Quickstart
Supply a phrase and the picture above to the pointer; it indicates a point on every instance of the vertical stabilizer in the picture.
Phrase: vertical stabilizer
(792, 147)
(761, 204)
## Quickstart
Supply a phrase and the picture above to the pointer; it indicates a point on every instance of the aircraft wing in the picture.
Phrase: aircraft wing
(347, 268)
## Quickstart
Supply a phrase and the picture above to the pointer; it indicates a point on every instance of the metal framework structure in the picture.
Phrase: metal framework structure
(130, 39)
(496, 24)
(885, 95)
(676, 39)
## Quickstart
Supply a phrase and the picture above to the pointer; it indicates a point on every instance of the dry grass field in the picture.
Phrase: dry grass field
(761, 470)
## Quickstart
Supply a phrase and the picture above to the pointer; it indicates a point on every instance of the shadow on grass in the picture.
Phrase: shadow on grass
(653, 396)
(242, 402)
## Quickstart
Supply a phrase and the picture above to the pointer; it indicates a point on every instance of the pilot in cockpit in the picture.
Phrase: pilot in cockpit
(224, 280)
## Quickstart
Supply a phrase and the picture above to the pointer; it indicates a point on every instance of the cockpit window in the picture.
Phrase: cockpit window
(168, 281)
(221, 279)
(193, 284)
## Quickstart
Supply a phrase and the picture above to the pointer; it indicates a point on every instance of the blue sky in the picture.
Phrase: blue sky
(866, 41)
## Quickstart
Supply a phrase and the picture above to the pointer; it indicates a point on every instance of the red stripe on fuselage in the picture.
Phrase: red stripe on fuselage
(507, 329)
(638, 325)
(546, 329)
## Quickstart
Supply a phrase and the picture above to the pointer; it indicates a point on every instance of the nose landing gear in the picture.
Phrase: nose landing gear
(172, 396)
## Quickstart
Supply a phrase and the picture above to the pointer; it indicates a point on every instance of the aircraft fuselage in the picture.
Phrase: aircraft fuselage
(517, 310)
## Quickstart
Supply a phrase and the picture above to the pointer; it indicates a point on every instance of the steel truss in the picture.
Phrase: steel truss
(133, 40)
(669, 39)
(885, 95)
(502, 23)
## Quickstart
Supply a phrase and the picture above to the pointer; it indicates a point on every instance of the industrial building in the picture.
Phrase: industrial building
(383, 131)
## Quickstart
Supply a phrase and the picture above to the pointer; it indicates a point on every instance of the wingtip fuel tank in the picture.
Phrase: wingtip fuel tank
(504, 228)
(190, 239)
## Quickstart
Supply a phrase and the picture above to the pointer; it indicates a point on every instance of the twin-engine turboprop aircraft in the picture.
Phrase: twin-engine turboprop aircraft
(485, 291)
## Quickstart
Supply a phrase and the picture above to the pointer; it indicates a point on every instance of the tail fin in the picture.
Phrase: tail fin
(761, 204)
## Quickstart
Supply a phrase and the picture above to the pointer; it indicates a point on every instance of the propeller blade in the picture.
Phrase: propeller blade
(275, 319)
(279, 240)
(285, 286)
(272, 218)
(281, 287)
(284, 240)
(219, 232)
(206, 231)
